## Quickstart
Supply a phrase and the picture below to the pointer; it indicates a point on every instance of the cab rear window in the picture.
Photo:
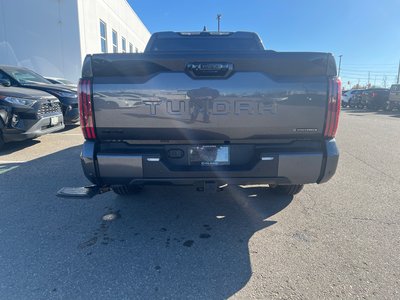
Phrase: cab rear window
(206, 43)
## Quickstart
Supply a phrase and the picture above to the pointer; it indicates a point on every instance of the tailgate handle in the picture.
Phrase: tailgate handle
(209, 69)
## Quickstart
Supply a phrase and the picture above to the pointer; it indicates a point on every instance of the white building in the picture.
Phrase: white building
(52, 37)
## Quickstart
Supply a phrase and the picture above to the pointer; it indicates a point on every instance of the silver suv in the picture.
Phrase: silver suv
(394, 97)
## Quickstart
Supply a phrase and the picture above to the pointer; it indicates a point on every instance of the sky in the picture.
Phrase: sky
(366, 33)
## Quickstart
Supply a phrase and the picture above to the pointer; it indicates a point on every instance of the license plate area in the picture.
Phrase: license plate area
(209, 155)
(54, 121)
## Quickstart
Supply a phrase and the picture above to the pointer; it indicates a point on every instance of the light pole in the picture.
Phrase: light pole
(219, 21)
(340, 63)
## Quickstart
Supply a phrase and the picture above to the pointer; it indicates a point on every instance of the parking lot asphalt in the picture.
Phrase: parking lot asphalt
(340, 239)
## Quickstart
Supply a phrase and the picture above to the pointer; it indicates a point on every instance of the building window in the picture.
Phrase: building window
(115, 41)
(123, 45)
(130, 47)
(103, 36)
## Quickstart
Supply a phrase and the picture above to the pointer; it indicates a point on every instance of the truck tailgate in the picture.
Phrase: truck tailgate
(269, 95)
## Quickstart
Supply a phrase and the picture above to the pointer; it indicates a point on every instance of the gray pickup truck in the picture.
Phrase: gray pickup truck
(209, 108)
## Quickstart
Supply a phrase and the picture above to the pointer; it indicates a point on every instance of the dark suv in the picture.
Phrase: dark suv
(25, 78)
(375, 98)
(27, 114)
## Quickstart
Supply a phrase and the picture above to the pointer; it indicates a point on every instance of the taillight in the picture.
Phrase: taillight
(85, 109)
(334, 99)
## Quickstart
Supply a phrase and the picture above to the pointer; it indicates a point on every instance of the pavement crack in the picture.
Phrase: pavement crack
(375, 221)
(88, 243)
(371, 166)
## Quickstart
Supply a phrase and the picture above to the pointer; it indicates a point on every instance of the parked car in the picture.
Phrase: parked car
(193, 113)
(25, 78)
(375, 98)
(347, 96)
(356, 99)
(63, 81)
(394, 97)
(26, 113)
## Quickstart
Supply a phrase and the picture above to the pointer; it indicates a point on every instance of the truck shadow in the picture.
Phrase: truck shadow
(170, 242)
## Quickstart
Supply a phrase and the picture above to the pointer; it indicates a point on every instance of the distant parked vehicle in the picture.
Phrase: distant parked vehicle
(375, 98)
(394, 97)
(347, 95)
(356, 99)
(63, 81)
(27, 114)
(25, 78)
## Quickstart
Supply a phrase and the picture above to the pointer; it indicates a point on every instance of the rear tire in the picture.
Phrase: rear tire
(388, 107)
(287, 190)
(126, 190)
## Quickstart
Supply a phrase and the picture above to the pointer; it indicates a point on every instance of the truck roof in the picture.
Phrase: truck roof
(168, 34)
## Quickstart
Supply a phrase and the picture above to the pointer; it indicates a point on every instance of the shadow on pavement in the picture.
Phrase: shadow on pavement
(168, 242)
(363, 112)
(69, 127)
(9, 148)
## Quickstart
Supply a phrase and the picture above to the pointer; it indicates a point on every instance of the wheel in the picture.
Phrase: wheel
(288, 190)
(125, 190)
(388, 107)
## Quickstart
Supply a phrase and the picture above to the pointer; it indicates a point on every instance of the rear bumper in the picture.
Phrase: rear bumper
(29, 128)
(331, 161)
(107, 168)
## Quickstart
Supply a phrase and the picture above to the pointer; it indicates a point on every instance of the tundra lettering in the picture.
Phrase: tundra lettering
(218, 107)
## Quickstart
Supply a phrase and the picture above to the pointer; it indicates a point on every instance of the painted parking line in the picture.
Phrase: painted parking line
(5, 168)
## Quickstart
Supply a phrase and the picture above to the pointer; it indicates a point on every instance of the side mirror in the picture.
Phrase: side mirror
(5, 82)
